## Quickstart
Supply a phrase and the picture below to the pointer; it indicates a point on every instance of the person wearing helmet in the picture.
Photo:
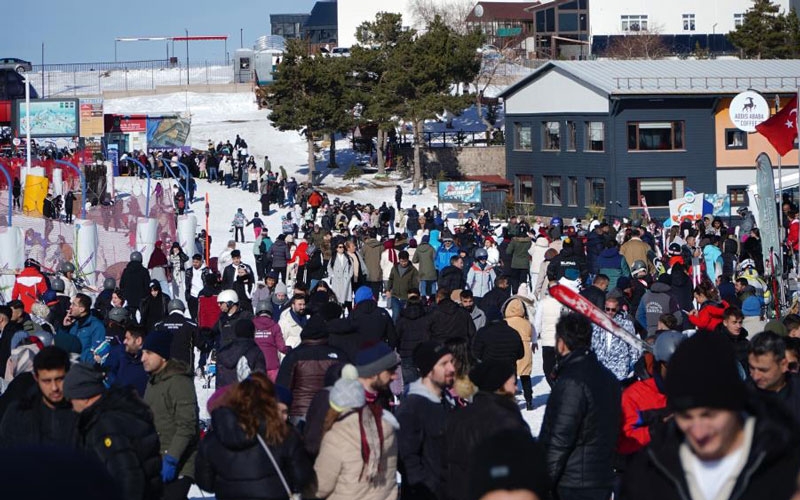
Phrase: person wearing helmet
(30, 285)
(481, 275)
(637, 250)
(135, 281)
(644, 404)
(184, 332)
(269, 338)
(102, 304)
(67, 272)
(224, 331)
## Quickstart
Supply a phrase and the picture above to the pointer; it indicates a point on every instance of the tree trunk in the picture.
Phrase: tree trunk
(312, 161)
(332, 155)
(381, 150)
(418, 154)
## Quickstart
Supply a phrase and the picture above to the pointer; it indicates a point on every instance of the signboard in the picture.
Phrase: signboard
(113, 156)
(167, 132)
(720, 204)
(91, 117)
(690, 207)
(768, 221)
(48, 117)
(459, 192)
(132, 124)
(747, 110)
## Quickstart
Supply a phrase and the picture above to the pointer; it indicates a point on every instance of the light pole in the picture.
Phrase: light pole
(187, 56)
(241, 38)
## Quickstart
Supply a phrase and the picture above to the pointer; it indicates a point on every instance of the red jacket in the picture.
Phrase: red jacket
(709, 315)
(640, 404)
(793, 238)
(207, 312)
(315, 200)
(30, 285)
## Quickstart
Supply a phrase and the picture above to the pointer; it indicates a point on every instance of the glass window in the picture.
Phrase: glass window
(595, 136)
(738, 195)
(688, 22)
(738, 20)
(595, 191)
(633, 23)
(571, 137)
(522, 137)
(655, 136)
(552, 190)
(524, 188)
(568, 21)
(572, 186)
(551, 136)
(656, 191)
(735, 139)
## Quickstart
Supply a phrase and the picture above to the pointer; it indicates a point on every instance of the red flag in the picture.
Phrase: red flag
(781, 129)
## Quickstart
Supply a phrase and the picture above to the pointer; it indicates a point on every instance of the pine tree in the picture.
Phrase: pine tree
(763, 33)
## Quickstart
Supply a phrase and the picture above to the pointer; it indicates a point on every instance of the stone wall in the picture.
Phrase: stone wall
(458, 162)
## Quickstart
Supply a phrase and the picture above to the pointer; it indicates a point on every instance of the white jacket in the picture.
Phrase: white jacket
(537, 251)
(548, 312)
(290, 329)
(493, 255)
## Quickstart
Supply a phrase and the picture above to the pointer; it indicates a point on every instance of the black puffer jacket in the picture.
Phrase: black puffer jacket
(770, 470)
(493, 301)
(467, 428)
(154, 309)
(449, 320)
(373, 323)
(184, 336)
(118, 429)
(233, 465)
(225, 329)
(28, 421)
(228, 358)
(451, 278)
(135, 283)
(412, 328)
(581, 423)
(303, 371)
(498, 342)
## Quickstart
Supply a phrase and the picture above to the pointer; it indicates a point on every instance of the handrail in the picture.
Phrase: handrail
(83, 184)
(147, 173)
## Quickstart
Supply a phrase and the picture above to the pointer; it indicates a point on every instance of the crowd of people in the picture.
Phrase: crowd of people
(371, 343)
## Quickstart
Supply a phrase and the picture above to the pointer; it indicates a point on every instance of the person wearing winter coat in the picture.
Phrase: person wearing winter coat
(711, 307)
(279, 256)
(611, 263)
(154, 307)
(388, 260)
(452, 277)
(412, 330)
(116, 427)
(467, 428)
(516, 316)
(30, 284)
(171, 396)
(613, 352)
(340, 272)
(402, 278)
(444, 252)
(373, 323)
(292, 319)
(481, 275)
(157, 266)
(269, 338)
(229, 357)
(498, 342)
(232, 462)
(581, 421)
(424, 257)
(81, 324)
(655, 302)
(371, 252)
(450, 320)
(520, 258)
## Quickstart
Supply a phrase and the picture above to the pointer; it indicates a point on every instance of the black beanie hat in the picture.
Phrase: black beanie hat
(703, 373)
(427, 354)
(490, 375)
(509, 460)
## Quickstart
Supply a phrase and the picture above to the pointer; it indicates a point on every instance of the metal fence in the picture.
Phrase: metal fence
(80, 79)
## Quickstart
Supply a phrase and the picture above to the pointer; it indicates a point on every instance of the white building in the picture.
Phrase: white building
(351, 13)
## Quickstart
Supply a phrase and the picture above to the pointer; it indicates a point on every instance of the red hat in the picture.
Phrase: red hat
(489, 238)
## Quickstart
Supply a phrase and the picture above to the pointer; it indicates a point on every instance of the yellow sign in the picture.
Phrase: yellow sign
(91, 117)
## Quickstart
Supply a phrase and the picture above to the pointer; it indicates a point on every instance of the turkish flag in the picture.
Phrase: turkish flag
(781, 129)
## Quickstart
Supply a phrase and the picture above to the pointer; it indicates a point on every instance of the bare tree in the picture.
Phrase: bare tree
(453, 12)
(638, 45)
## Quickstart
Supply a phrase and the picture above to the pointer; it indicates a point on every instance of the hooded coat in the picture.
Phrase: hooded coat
(135, 281)
(228, 357)
(424, 257)
(450, 320)
(517, 318)
(371, 251)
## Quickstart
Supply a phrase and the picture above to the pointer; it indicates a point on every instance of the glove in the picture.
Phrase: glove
(169, 468)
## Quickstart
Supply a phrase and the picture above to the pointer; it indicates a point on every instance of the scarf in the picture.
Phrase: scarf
(371, 427)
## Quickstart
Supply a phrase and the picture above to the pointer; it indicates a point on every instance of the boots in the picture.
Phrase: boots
(527, 391)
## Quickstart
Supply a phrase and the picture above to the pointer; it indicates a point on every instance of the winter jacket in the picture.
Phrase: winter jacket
(118, 429)
(401, 280)
(643, 404)
(171, 396)
(303, 371)
(595, 244)
(228, 358)
(184, 333)
(90, 331)
(788, 397)
(153, 309)
(422, 418)
(682, 289)
(595, 296)
(451, 278)
(752, 301)
(291, 327)
(443, 255)
(28, 421)
(449, 320)
(613, 352)
(770, 470)
(567, 264)
(536, 251)
(135, 282)
(128, 370)
(412, 329)
(655, 302)
(233, 465)
(516, 317)
(467, 428)
(425, 258)
(497, 341)
(493, 301)
(373, 324)
(371, 251)
(340, 272)
(581, 423)
(636, 249)
(269, 339)
(548, 312)
(29, 287)
(279, 254)
(709, 315)
(518, 250)
(712, 256)
(610, 263)
(339, 464)
(225, 329)
(480, 279)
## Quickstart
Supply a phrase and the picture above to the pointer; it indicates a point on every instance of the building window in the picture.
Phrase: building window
(551, 136)
(595, 136)
(738, 20)
(656, 191)
(735, 139)
(572, 187)
(572, 139)
(524, 188)
(595, 191)
(633, 23)
(738, 195)
(552, 190)
(522, 137)
(655, 136)
(688, 22)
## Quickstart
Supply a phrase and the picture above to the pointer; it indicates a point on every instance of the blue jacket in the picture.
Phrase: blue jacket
(126, 369)
(443, 255)
(91, 332)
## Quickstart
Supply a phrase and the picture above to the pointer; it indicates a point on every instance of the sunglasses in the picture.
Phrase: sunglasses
(611, 309)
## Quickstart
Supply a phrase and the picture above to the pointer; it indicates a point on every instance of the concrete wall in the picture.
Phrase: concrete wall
(221, 88)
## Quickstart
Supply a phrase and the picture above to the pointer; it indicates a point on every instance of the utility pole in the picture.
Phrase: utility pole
(187, 56)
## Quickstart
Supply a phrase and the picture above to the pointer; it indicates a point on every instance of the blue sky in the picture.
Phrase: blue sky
(84, 30)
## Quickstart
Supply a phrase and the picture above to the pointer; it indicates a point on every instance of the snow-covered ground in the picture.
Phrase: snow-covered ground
(220, 117)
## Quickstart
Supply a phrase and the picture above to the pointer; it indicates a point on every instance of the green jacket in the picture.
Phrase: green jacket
(371, 251)
(172, 398)
(518, 249)
(424, 256)
(400, 284)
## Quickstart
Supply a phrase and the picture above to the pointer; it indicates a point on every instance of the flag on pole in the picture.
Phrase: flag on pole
(781, 129)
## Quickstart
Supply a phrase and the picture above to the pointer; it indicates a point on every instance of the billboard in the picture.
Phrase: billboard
(720, 204)
(48, 117)
(91, 113)
(459, 192)
(167, 132)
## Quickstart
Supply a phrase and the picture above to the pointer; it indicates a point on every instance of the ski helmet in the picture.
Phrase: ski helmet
(67, 267)
(481, 253)
(674, 249)
(638, 266)
(556, 221)
(175, 305)
(109, 284)
(228, 296)
(666, 344)
(263, 306)
(746, 264)
(118, 315)
(136, 256)
(33, 263)
(57, 284)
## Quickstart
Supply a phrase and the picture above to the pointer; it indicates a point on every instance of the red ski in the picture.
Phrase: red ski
(582, 305)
